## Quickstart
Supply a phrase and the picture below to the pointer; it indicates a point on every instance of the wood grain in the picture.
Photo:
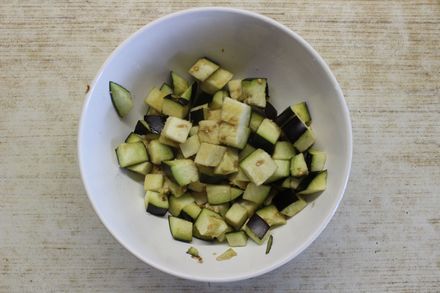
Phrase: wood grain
(384, 237)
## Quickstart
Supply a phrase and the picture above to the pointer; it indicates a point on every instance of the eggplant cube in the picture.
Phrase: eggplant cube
(235, 90)
(269, 130)
(210, 155)
(216, 81)
(236, 216)
(176, 129)
(236, 113)
(229, 163)
(209, 131)
(190, 147)
(203, 69)
(183, 171)
(234, 135)
(258, 166)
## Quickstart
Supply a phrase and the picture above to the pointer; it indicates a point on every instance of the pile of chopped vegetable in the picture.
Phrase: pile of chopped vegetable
(218, 158)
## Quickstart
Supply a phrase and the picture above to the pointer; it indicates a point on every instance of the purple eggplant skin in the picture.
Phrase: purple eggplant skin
(157, 211)
(284, 199)
(185, 216)
(284, 117)
(294, 128)
(141, 128)
(270, 111)
(155, 122)
(196, 116)
(200, 98)
(260, 142)
(212, 179)
(306, 181)
(257, 225)
(177, 99)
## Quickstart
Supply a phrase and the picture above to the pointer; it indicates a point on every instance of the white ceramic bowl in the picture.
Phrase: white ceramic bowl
(249, 45)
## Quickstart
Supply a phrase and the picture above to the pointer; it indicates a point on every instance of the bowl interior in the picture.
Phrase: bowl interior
(249, 45)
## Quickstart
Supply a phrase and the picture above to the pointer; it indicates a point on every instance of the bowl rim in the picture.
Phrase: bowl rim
(324, 66)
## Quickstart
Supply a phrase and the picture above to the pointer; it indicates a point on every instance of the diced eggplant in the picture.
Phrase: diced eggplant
(210, 224)
(258, 226)
(315, 182)
(141, 168)
(234, 135)
(269, 130)
(255, 121)
(217, 100)
(156, 203)
(141, 128)
(302, 111)
(216, 81)
(155, 99)
(201, 98)
(236, 216)
(270, 111)
(294, 128)
(306, 140)
(254, 91)
(121, 98)
(190, 92)
(260, 142)
(203, 69)
(291, 182)
(155, 123)
(209, 132)
(256, 194)
(228, 254)
(288, 203)
(179, 84)
(235, 112)
(283, 151)
(166, 89)
(190, 212)
(175, 106)
(167, 141)
(315, 160)
(153, 182)
(176, 129)
(282, 171)
(190, 147)
(210, 155)
(207, 176)
(236, 239)
(215, 115)
(198, 114)
(271, 216)
(183, 172)
(180, 229)
(229, 163)
(250, 206)
(170, 187)
(220, 209)
(129, 154)
(133, 137)
(235, 90)
(258, 166)
(159, 152)
(246, 151)
(218, 194)
(298, 166)
(193, 131)
(176, 204)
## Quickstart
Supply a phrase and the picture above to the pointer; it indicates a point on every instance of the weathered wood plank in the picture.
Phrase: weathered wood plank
(386, 233)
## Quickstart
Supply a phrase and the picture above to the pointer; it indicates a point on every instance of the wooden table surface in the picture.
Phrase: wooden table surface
(384, 236)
